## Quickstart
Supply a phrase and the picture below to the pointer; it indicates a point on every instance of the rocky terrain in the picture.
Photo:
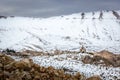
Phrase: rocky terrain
(59, 65)
(27, 70)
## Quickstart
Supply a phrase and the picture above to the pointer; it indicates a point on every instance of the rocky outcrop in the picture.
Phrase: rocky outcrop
(116, 14)
(103, 57)
(101, 15)
(27, 70)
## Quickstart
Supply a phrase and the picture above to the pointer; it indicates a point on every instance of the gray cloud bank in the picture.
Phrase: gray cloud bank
(48, 8)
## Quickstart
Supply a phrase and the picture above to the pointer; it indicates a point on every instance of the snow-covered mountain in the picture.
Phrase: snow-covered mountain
(95, 30)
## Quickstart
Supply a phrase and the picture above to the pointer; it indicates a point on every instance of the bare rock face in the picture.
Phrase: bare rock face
(82, 15)
(101, 15)
(116, 14)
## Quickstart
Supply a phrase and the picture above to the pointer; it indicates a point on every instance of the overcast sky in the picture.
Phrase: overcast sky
(48, 8)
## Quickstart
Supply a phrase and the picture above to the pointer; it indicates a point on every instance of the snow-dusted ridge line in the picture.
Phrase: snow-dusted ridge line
(91, 13)
(62, 32)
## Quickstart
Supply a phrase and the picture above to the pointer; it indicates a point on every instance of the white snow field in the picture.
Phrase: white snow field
(67, 32)
(62, 32)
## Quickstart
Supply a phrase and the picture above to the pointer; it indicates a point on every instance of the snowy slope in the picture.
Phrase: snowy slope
(62, 32)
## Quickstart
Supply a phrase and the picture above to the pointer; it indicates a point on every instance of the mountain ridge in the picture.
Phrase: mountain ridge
(92, 29)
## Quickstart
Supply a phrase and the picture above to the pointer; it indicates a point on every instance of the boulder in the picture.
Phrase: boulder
(103, 57)
(94, 78)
